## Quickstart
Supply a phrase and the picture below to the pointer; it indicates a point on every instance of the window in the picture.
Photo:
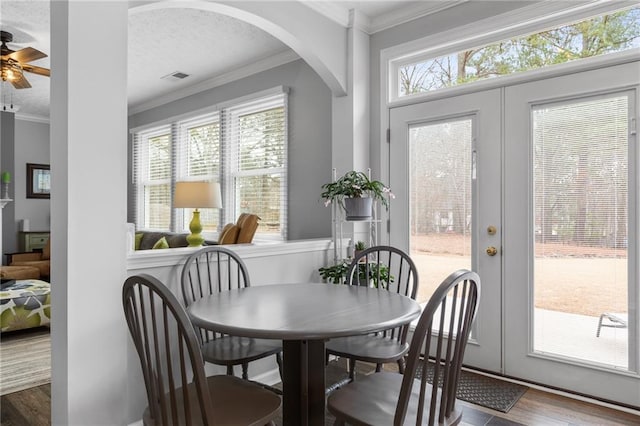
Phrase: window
(242, 145)
(463, 63)
(257, 162)
(153, 172)
(198, 158)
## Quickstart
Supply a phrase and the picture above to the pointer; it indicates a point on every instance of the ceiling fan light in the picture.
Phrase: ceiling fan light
(11, 70)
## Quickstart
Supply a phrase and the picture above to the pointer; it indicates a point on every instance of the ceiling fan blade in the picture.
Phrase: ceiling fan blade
(27, 54)
(36, 70)
(22, 83)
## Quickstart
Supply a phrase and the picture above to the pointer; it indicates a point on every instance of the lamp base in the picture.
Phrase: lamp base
(195, 239)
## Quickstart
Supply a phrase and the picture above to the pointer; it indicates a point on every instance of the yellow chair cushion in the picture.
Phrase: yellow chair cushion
(229, 234)
(248, 225)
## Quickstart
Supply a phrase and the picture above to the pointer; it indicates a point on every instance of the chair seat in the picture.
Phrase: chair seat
(368, 348)
(234, 401)
(363, 403)
(234, 350)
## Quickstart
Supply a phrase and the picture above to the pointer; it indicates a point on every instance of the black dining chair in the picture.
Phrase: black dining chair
(437, 350)
(388, 269)
(178, 392)
(215, 269)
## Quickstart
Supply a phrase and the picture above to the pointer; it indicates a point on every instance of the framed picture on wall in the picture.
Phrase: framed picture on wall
(38, 181)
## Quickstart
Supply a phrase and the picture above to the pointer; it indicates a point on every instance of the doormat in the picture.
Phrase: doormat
(488, 392)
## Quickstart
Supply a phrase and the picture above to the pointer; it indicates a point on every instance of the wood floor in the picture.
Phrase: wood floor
(32, 407)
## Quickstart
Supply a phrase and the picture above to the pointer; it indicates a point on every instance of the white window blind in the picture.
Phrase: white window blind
(152, 172)
(256, 161)
(581, 170)
(198, 158)
(242, 146)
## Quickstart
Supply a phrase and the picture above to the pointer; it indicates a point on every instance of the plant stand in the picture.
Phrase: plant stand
(350, 230)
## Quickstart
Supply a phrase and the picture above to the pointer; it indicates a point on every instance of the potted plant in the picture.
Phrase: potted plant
(355, 193)
(360, 245)
(335, 274)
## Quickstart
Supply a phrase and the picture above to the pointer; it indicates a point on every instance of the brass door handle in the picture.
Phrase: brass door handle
(492, 251)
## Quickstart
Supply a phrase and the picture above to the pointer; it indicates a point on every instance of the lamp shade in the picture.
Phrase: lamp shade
(197, 195)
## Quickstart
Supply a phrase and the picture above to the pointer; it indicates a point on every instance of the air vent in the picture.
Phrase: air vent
(175, 76)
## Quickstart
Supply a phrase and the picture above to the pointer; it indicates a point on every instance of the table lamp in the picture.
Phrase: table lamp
(197, 195)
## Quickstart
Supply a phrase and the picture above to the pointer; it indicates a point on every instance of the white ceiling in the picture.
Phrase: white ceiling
(210, 47)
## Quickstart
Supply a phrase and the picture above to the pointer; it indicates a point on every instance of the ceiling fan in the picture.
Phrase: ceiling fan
(13, 63)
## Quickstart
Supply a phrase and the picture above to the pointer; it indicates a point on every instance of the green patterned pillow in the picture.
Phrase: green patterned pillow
(138, 240)
(161, 244)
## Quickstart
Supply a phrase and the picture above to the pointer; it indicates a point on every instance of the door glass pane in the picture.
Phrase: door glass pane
(580, 208)
(440, 200)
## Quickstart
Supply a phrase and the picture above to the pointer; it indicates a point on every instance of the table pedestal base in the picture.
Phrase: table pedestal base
(303, 383)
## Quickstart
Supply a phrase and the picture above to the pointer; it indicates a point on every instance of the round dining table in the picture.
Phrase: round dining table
(303, 316)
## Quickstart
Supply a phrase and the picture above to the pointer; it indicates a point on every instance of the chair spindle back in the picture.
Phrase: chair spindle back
(169, 353)
(441, 335)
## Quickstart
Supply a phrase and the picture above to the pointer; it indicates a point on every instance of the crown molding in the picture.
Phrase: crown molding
(344, 16)
(409, 13)
(254, 68)
(338, 14)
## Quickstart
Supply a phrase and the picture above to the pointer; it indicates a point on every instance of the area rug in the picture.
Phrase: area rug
(488, 392)
(25, 359)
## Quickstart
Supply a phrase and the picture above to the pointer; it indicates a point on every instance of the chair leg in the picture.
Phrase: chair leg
(279, 362)
(378, 368)
(401, 365)
(245, 370)
(230, 370)
(352, 369)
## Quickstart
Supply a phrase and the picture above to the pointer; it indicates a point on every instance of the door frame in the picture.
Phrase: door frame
(520, 360)
(628, 382)
(484, 350)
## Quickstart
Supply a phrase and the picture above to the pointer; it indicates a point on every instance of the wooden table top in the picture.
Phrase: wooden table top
(302, 311)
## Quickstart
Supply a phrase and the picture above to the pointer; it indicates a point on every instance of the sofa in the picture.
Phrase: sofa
(35, 259)
(241, 232)
(147, 240)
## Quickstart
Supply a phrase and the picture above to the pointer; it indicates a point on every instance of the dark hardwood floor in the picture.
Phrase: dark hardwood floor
(32, 407)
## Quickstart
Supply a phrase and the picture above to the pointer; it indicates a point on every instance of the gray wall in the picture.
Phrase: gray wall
(7, 153)
(32, 146)
(23, 142)
(309, 137)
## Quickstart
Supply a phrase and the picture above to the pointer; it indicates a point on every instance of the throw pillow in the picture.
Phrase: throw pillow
(161, 244)
(137, 241)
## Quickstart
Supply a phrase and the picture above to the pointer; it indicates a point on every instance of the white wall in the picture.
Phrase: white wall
(88, 211)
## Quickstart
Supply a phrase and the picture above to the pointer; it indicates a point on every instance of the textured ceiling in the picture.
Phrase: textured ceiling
(211, 44)
(205, 45)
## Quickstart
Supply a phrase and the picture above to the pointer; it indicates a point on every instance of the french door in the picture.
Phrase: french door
(445, 175)
(534, 186)
(571, 232)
